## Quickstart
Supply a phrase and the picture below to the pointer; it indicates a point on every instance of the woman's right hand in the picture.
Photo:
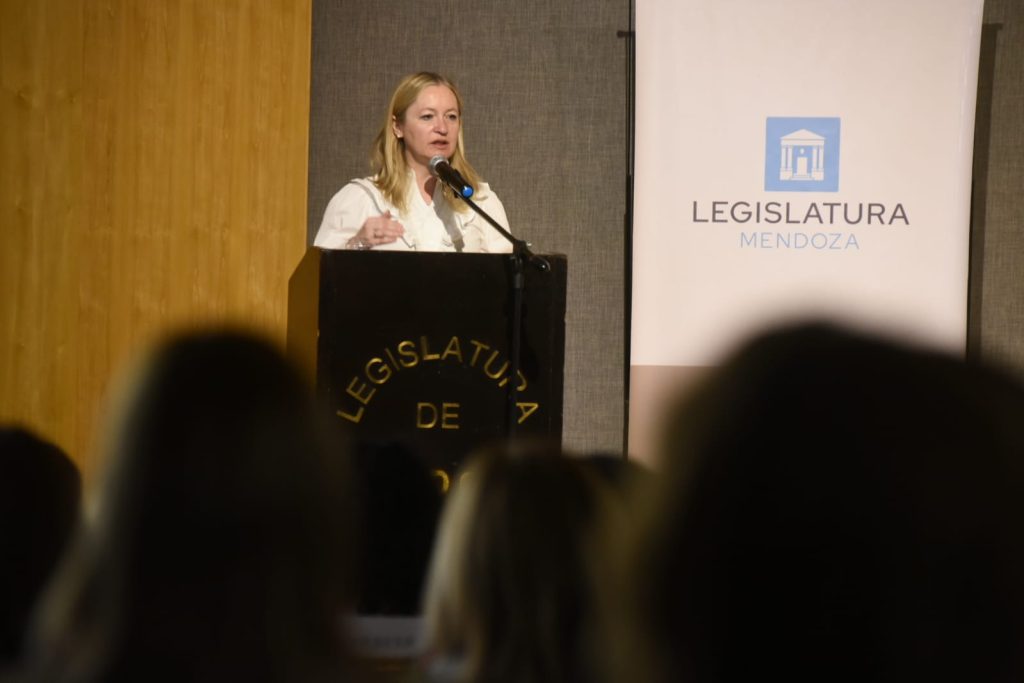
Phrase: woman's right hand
(377, 230)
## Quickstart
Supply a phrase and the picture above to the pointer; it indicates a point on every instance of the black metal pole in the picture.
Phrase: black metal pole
(521, 254)
(515, 345)
(519, 247)
(630, 39)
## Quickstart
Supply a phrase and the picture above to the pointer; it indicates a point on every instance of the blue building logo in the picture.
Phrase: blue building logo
(801, 154)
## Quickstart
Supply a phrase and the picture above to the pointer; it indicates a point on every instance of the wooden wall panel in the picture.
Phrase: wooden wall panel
(160, 152)
(40, 183)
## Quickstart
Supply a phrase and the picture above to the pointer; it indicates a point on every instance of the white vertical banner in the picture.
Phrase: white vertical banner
(797, 158)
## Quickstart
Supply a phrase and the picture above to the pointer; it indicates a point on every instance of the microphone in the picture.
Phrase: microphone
(441, 169)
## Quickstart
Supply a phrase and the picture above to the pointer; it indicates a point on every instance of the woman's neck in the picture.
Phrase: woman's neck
(425, 182)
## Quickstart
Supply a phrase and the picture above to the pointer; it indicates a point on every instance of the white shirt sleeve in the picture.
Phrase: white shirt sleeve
(344, 216)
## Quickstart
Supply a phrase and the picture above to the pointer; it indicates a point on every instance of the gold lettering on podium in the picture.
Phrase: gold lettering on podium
(526, 410)
(443, 480)
(377, 376)
(352, 418)
(479, 346)
(428, 416)
(392, 359)
(453, 349)
(360, 391)
(422, 423)
(407, 350)
(449, 416)
(522, 381)
(491, 373)
(425, 353)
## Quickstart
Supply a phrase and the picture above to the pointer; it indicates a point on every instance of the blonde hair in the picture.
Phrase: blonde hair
(387, 158)
(508, 596)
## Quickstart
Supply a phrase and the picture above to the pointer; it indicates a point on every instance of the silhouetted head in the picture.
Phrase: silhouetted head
(222, 543)
(621, 474)
(835, 507)
(508, 595)
(40, 496)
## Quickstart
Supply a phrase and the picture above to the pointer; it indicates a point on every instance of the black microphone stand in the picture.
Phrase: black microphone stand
(520, 254)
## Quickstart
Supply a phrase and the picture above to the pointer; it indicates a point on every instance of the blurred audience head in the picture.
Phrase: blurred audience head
(508, 596)
(221, 544)
(40, 497)
(834, 507)
(622, 475)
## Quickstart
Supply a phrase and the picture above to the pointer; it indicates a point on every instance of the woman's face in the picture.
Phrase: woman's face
(430, 126)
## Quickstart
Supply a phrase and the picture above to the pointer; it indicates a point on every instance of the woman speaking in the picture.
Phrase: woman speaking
(402, 206)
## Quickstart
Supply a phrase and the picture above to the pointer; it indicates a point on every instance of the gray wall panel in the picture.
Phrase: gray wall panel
(997, 275)
(545, 123)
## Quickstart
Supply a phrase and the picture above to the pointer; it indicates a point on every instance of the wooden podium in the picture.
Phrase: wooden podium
(414, 347)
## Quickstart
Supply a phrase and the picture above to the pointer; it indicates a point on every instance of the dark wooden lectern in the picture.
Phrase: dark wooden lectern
(414, 347)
